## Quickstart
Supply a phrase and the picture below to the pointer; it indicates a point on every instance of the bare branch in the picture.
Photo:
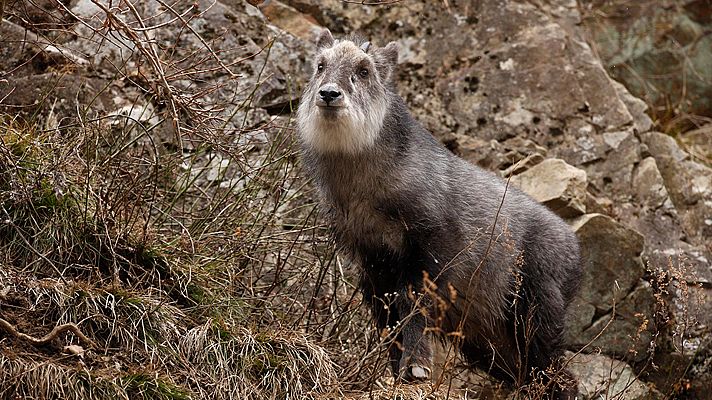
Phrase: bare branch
(59, 329)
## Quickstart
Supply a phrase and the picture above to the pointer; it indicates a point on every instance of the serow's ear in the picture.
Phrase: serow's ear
(324, 39)
(365, 46)
(390, 53)
(387, 59)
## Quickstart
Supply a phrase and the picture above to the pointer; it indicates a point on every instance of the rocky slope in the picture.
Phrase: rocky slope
(508, 82)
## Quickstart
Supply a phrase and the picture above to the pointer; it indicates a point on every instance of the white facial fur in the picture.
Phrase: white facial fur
(354, 127)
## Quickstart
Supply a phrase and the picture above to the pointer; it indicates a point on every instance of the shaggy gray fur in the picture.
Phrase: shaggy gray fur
(431, 231)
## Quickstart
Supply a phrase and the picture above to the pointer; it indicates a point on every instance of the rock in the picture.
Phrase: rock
(109, 53)
(649, 185)
(14, 53)
(24, 45)
(519, 154)
(698, 143)
(46, 17)
(599, 205)
(216, 168)
(511, 156)
(600, 377)
(636, 107)
(611, 258)
(339, 17)
(628, 330)
(660, 51)
(449, 367)
(74, 349)
(509, 69)
(475, 150)
(291, 20)
(613, 310)
(612, 172)
(666, 371)
(557, 185)
(688, 183)
(702, 370)
(664, 146)
(62, 93)
(522, 165)
(230, 63)
(685, 296)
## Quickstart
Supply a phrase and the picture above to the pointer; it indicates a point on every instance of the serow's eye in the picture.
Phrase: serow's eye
(320, 67)
(363, 73)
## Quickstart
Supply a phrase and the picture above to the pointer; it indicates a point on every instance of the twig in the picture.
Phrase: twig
(366, 2)
(197, 35)
(148, 50)
(9, 328)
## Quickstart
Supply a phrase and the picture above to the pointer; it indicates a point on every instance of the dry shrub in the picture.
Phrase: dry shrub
(175, 232)
(678, 305)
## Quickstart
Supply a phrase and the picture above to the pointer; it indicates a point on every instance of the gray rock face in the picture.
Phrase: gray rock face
(290, 19)
(558, 185)
(613, 311)
(601, 377)
(228, 56)
(648, 184)
(34, 85)
(689, 184)
(660, 50)
(610, 251)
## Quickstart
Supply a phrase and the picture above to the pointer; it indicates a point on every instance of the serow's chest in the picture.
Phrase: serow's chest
(363, 224)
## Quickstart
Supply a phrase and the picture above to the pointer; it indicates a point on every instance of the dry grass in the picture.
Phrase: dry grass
(174, 232)
(177, 233)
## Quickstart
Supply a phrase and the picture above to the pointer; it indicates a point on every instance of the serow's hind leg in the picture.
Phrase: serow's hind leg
(539, 327)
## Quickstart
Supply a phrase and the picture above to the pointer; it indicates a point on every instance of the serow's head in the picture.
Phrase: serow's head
(345, 102)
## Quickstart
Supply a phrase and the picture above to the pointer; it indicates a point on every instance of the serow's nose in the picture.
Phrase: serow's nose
(329, 95)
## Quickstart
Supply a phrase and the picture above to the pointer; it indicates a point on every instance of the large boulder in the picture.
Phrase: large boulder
(556, 184)
(689, 184)
(611, 259)
(601, 377)
(614, 310)
(648, 184)
(627, 330)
